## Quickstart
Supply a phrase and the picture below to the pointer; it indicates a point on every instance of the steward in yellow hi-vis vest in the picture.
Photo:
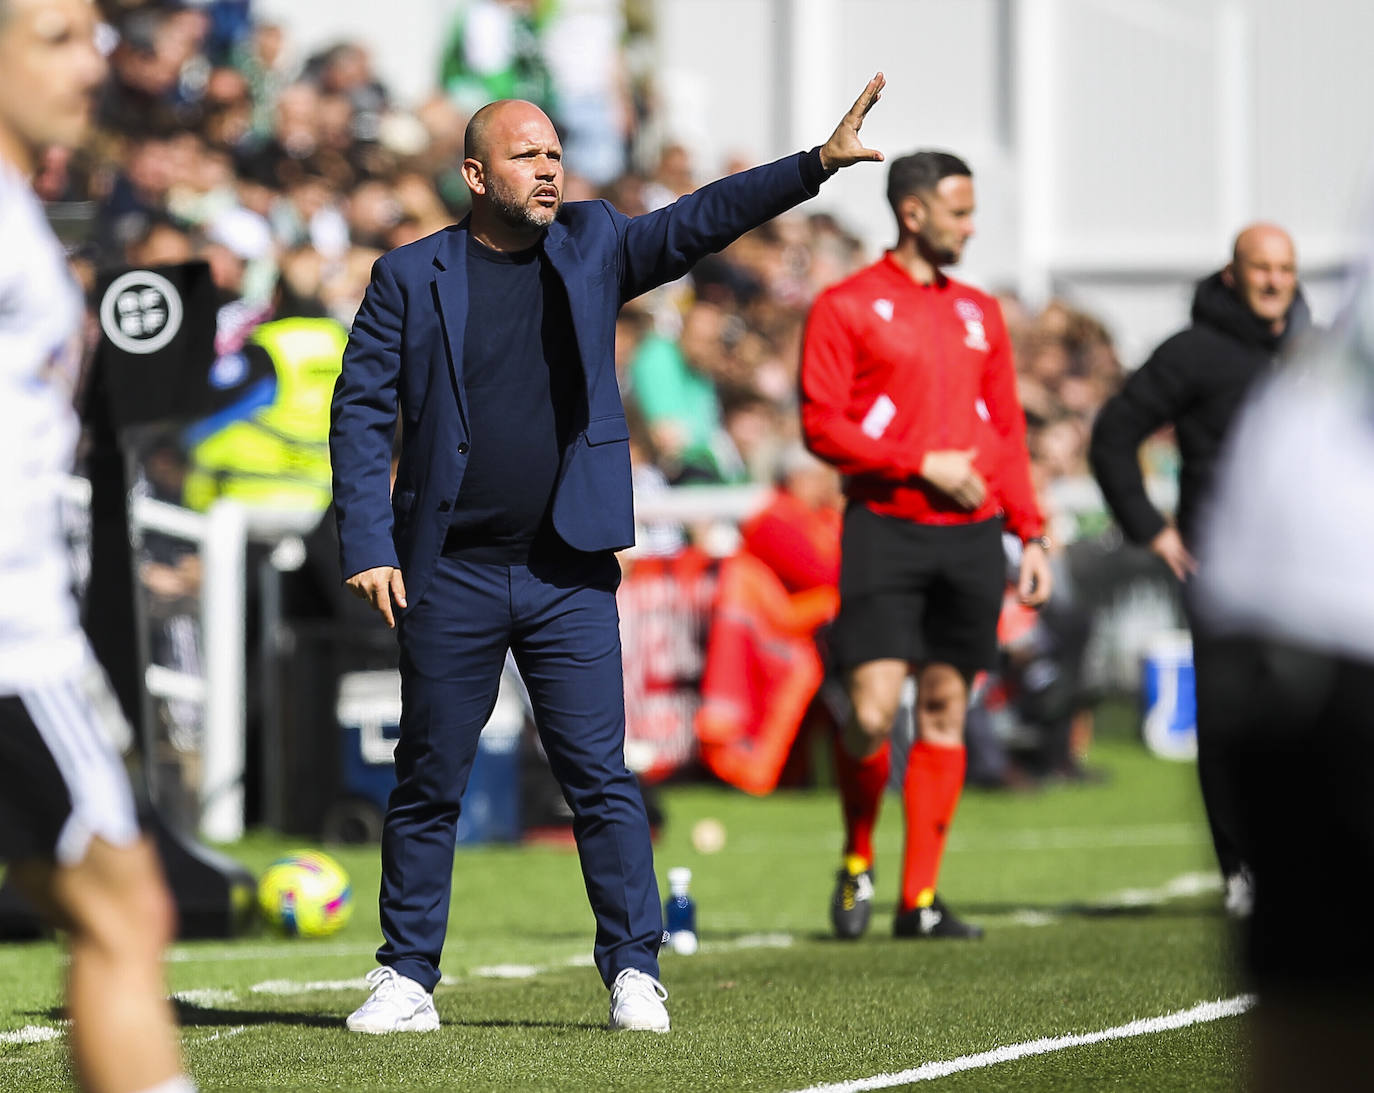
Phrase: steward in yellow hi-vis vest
(272, 447)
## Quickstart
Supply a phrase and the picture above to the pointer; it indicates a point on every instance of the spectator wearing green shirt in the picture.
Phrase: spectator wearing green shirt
(672, 382)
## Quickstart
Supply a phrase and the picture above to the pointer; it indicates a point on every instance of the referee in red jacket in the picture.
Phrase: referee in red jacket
(909, 389)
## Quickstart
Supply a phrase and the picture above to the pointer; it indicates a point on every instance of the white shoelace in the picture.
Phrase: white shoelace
(632, 981)
(384, 981)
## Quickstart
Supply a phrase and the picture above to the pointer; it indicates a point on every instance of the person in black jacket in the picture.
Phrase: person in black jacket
(1297, 597)
(1243, 318)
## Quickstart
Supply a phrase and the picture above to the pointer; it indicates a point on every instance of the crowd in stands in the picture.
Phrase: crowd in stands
(218, 141)
(291, 174)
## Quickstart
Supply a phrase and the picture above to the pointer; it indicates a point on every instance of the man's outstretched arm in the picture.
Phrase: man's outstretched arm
(663, 245)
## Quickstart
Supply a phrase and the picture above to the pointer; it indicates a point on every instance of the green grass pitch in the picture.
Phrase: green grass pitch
(1100, 904)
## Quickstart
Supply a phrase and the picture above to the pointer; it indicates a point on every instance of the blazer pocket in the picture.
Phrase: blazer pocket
(604, 430)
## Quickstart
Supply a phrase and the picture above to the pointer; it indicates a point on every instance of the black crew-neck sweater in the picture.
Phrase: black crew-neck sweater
(521, 375)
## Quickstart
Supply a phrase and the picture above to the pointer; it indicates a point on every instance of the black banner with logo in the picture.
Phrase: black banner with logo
(157, 344)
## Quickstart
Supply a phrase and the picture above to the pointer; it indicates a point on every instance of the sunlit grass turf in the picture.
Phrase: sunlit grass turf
(747, 1015)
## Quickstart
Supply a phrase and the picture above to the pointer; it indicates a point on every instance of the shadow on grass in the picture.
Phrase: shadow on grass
(189, 1015)
(830, 936)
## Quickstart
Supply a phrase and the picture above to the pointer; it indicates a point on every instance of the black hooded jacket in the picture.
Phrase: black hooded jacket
(1197, 380)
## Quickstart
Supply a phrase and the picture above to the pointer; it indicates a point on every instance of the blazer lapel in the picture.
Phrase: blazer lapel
(561, 250)
(451, 294)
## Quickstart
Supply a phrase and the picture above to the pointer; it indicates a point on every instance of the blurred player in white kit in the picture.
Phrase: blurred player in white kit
(1293, 592)
(68, 831)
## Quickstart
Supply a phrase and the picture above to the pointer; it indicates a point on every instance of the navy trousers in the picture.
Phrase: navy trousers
(558, 616)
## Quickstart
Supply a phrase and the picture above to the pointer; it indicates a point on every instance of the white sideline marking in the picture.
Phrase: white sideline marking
(1199, 1014)
(292, 986)
(178, 955)
(224, 1034)
(507, 971)
(582, 960)
(205, 996)
(1180, 887)
(30, 1034)
(750, 941)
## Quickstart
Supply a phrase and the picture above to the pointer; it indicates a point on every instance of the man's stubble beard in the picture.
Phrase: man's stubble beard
(517, 213)
(940, 257)
(935, 254)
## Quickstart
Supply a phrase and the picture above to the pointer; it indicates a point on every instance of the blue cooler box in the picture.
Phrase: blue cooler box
(369, 714)
(1169, 696)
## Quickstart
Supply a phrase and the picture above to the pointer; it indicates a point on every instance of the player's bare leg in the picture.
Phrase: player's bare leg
(934, 780)
(875, 693)
(119, 916)
(941, 705)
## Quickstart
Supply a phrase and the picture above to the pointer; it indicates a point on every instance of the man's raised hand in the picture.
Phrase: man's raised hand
(844, 146)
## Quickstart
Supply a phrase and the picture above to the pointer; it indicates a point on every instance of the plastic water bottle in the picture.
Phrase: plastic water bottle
(680, 912)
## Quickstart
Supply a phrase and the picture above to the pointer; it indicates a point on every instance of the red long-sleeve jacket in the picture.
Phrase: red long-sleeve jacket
(893, 369)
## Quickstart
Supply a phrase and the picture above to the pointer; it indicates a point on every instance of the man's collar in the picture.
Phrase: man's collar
(453, 249)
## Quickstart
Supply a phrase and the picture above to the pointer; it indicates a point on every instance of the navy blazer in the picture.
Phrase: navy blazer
(406, 348)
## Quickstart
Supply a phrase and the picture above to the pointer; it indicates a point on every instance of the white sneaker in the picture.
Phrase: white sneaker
(397, 1004)
(637, 1002)
(1240, 893)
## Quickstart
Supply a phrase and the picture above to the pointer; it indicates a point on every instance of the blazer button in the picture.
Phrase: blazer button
(462, 447)
(444, 506)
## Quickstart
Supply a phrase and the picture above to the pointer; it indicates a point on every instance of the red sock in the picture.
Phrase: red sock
(862, 782)
(934, 779)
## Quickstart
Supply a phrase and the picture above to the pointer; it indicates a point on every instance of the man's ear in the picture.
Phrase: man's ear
(1228, 275)
(913, 213)
(474, 175)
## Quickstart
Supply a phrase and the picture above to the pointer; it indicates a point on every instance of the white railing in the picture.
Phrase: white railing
(221, 537)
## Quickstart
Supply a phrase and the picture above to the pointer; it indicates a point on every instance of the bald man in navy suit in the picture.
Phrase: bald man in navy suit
(493, 340)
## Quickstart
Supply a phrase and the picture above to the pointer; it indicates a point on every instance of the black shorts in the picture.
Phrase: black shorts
(919, 592)
(61, 779)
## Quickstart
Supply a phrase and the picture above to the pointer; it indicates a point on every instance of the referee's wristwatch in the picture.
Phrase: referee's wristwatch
(1042, 541)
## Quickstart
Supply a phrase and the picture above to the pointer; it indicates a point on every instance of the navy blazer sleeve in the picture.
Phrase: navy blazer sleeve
(362, 424)
(663, 245)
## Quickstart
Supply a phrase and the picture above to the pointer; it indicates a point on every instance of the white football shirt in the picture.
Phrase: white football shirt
(40, 358)
(1286, 542)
